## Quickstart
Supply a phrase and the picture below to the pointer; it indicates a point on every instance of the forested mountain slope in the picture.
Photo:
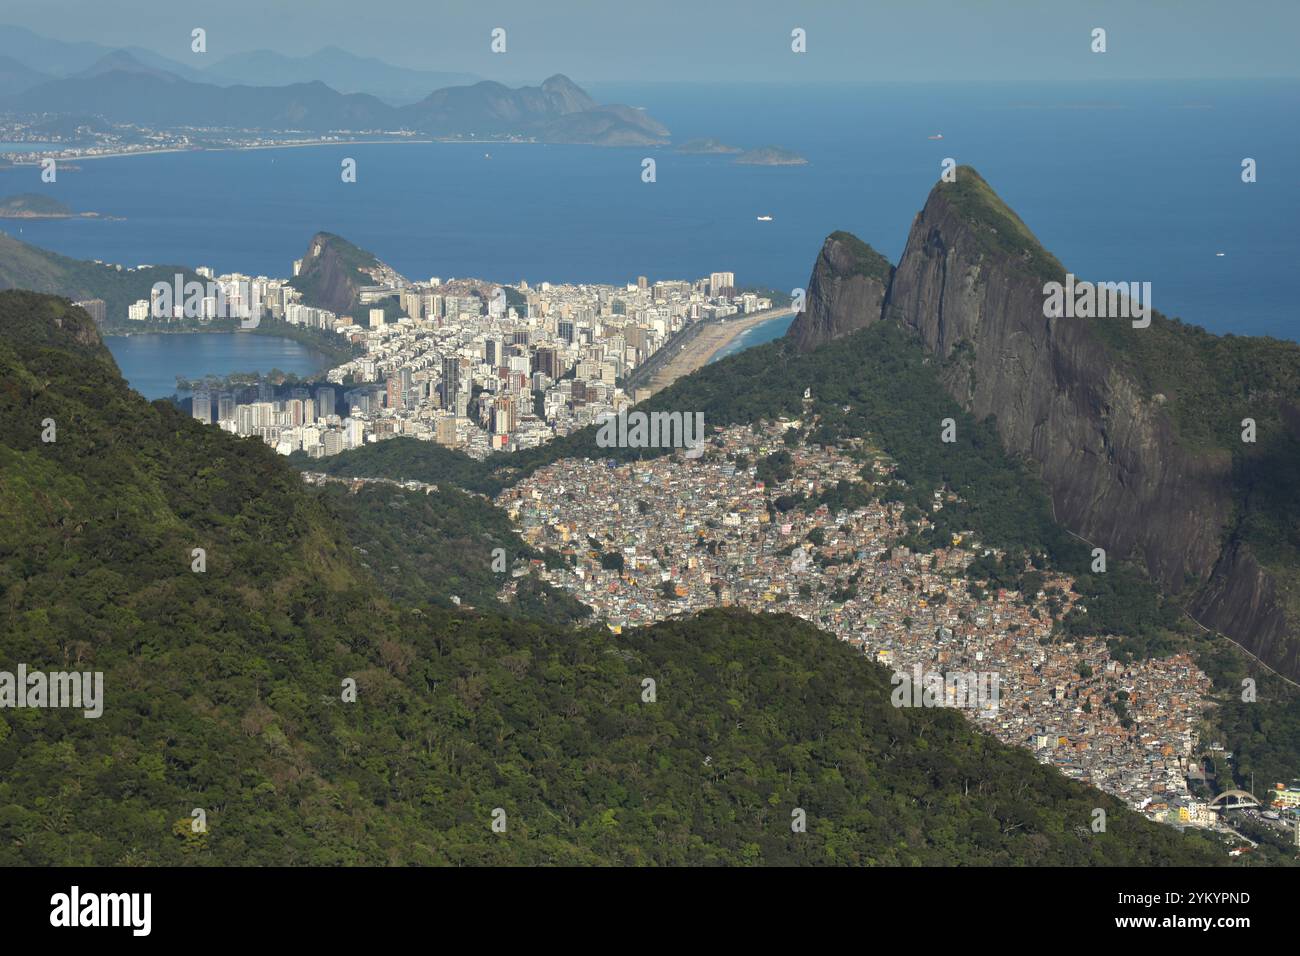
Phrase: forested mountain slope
(223, 688)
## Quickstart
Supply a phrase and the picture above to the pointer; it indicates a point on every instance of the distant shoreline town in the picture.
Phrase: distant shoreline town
(19, 159)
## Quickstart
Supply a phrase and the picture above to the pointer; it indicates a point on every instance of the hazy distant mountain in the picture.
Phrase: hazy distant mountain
(124, 62)
(121, 89)
(16, 77)
(61, 58)
(55, 57)
(337, 68)
(558, 111)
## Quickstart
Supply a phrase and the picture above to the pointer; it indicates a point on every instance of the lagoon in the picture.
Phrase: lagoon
(150, 362)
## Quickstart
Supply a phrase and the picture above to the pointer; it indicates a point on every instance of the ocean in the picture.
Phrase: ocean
(1121, 181)
(758, 335)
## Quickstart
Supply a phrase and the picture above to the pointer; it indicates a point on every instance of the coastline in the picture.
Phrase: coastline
(39, 157)
(711, 340)
(216, 149)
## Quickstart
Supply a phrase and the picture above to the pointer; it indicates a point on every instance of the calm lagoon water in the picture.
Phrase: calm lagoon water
(150, 363)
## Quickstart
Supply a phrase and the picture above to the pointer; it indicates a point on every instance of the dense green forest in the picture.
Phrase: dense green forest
(24, 266)
(407, 459)
(428, 548)
(223, 688)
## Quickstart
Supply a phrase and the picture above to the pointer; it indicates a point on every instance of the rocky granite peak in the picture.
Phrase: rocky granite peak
(845, 293)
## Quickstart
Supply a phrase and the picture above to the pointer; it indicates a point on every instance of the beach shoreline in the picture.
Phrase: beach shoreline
(709, 342)
(38, 157)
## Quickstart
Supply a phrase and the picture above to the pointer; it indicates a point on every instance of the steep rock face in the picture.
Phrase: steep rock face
(845, 293)
(1239, 590)
(332, 272)
(970, 282)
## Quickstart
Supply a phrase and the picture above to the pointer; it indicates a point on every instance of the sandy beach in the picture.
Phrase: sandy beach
(712, 339)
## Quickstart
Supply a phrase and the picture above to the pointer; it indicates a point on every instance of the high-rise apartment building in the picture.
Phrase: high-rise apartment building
(97, 309)
(451, 386)
(202, 408)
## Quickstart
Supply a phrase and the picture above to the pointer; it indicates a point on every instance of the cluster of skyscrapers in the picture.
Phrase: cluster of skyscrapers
(470, 364)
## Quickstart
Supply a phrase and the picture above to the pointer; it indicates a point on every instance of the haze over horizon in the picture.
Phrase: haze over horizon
(896, 40)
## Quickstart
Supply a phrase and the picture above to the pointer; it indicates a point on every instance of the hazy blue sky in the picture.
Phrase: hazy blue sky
(704, 39)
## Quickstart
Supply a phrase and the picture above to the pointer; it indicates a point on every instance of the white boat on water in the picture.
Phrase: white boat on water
(764, 218)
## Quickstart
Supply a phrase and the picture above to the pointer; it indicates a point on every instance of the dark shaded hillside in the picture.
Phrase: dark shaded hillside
(437, 547)
(24, 266)
(407, 459)
(223, 689)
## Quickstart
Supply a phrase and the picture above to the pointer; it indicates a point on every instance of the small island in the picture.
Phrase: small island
(770, 156)
(707, 146)
(37, 206)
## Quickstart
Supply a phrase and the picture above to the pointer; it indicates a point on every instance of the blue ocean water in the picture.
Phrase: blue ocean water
(758, 335)
(151, 362)
(1136, 182)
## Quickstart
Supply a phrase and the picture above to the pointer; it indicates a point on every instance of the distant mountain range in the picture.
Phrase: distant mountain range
(59, 58)
(329, 90)
(16, 77)
(48, 58)
(344, 71)
(121, 88)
